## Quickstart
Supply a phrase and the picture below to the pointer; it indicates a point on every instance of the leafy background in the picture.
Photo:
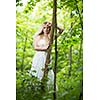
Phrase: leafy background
(29, 17)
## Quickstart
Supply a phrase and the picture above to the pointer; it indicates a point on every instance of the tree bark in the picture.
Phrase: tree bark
(81, 35)
(22, 65)
(55, 27)
(70, 52)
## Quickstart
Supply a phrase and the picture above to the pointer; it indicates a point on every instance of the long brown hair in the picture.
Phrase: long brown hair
(48, 25)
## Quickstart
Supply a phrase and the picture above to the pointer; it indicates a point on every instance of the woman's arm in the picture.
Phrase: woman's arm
(37, 48)
(60, 31)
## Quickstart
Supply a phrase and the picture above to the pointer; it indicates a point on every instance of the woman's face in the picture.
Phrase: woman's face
(46, 29)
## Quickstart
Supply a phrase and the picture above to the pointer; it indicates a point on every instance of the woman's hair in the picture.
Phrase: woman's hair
(48, 24)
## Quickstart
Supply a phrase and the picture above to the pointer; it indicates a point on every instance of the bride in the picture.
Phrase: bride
(41, 44)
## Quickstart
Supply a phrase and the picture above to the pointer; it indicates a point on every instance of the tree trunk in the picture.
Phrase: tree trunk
(22, 65)
(55, 27)
(70, 61)
(70, 52)
(81, 35)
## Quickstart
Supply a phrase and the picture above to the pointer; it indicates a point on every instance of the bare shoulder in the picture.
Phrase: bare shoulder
(36, 37)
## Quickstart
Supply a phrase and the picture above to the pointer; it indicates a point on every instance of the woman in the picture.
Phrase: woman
(41, 44)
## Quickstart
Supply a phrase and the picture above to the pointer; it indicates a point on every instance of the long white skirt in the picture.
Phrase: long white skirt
(38, 64)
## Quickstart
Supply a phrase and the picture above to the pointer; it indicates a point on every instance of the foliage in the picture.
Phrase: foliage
(28, 21)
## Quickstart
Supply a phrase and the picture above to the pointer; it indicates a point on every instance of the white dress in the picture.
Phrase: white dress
(38, 63)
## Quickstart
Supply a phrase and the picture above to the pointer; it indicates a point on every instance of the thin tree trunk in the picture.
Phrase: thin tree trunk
(55, 27)
(70, 52)
(70, 61)
(81, 91)
(81, 35)
(22, 65)
(80, 50)
(79, 14)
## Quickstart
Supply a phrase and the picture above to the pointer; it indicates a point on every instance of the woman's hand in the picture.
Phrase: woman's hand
(46, 47)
